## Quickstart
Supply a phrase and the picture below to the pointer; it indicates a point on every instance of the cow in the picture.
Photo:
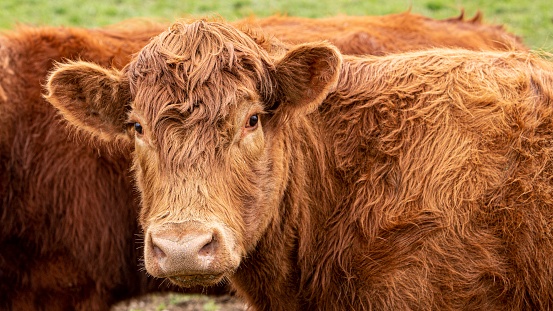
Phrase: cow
(69, 207)
(315, 180)
(392, 33)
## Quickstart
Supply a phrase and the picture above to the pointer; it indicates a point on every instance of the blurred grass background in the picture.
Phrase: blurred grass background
(532, 20)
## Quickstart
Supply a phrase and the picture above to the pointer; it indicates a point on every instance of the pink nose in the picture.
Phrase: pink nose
(188, 248)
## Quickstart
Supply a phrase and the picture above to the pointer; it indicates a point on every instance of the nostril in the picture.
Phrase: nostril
(209, 248)
(158, 253)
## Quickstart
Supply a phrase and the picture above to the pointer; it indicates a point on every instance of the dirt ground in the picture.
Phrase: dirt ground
(181, 302)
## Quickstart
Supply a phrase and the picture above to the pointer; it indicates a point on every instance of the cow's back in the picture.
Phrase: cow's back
(377, 35)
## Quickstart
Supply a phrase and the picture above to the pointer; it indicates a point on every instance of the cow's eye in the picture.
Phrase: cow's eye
(252, 122)
(138, 128)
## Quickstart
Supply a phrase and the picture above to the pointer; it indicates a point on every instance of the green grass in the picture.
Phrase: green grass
(210, 306)
(532, 20)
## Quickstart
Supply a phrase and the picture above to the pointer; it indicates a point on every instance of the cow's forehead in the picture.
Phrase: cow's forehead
(188, 80)
(198, 66)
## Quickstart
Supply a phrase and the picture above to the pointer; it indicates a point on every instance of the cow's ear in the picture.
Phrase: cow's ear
(91, 98)
(306, 74)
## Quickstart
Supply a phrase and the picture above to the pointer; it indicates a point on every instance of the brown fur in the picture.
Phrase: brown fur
(411, 181)
(379, 35)
(68, 210)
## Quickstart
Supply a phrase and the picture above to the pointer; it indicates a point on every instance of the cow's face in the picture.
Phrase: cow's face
(206, 108)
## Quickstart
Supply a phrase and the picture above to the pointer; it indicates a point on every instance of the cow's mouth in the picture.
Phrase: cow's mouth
(197, 280)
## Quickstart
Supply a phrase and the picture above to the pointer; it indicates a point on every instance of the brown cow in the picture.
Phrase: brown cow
(380, 35)
(316, 181)
(68, 211)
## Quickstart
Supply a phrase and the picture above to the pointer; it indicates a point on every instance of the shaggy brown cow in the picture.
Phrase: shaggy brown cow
(380, 35)
(67, 211)
(320, 182)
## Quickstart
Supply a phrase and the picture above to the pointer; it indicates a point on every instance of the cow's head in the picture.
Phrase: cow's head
(203, 106)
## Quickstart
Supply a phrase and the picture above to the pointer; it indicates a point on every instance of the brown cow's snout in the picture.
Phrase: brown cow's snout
(194, 250)
(189, 253)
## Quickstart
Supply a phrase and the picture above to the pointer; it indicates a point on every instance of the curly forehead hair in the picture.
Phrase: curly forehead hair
(199, 63)
(187, 80)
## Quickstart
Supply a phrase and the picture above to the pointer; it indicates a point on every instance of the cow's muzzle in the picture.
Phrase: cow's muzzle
(189, 253)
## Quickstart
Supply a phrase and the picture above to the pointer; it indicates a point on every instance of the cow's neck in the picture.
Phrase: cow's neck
(275, 273)
(309, 248)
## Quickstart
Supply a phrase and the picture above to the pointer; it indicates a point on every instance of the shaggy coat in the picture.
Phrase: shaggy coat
(316, 181)
(68, 209)
(379, 35)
